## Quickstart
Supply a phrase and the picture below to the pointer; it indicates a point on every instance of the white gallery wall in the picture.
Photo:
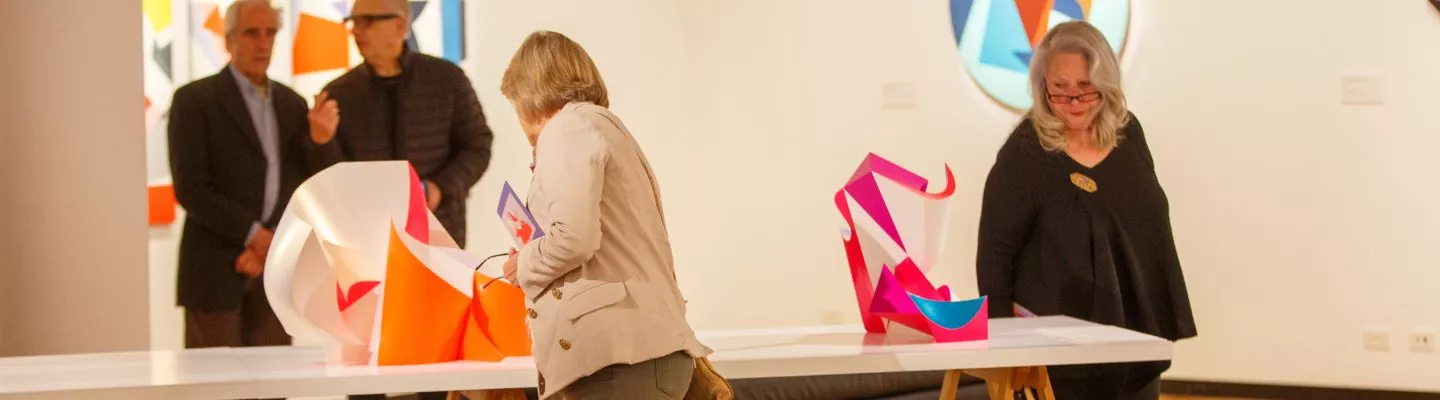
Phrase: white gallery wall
(1304, 222)
(1301, 221)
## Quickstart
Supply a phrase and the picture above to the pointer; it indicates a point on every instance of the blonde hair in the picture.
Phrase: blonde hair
(1079, 37)
(547, 72)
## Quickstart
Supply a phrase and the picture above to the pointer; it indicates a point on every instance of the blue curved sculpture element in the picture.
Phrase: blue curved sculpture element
(949, 314)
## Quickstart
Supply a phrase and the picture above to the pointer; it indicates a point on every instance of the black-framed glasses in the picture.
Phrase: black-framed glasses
(365, 20)
(1066, 99)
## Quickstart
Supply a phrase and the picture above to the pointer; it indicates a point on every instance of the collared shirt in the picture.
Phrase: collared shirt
(261, 104)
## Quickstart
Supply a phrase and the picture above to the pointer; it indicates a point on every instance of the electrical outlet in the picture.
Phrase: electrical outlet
(1422, 341)
(1377, 339)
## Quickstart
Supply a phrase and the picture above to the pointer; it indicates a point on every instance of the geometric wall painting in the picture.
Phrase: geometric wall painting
(323, 48)
(439, 28)
(320, 45)
(159, 39)
(207, 37)
(184, 40)
(996, 38)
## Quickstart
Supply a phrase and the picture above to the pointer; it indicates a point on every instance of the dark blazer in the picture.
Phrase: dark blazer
(443, 130)
(219, 173)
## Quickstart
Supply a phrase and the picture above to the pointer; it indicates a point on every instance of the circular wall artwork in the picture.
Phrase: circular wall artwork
(996, 38)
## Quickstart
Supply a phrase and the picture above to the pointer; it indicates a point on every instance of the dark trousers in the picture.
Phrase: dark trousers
(254, 324)
(666, 377)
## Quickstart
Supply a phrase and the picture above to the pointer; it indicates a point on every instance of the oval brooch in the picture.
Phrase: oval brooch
(1083, 182)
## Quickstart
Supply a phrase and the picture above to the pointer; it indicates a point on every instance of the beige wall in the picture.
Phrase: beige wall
(74, 276)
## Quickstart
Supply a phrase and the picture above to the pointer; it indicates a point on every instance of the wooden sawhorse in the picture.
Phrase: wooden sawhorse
(1002, 383)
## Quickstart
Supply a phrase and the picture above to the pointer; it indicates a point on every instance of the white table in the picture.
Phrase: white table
(190, 374)
(300, 371)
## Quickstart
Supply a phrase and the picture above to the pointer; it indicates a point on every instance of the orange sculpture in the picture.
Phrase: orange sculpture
(360, 262)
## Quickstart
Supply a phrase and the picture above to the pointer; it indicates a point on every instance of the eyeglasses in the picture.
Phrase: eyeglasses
(1066, 99)
(365, 20)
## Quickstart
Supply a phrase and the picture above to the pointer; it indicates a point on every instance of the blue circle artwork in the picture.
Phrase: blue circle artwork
(996, 38)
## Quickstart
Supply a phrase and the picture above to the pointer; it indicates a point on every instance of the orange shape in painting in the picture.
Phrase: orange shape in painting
(320, 45)
(1085, 7)
(162, 204)
(214, 23)
(1035, 14)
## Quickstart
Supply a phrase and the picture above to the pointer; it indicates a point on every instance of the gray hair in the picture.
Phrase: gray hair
(232, 14)
(1079, 37)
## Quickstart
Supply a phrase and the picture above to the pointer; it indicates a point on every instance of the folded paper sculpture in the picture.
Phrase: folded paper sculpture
(360, 263)
(896, 231)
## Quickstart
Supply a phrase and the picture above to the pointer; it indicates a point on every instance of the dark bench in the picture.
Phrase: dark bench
(881, 386)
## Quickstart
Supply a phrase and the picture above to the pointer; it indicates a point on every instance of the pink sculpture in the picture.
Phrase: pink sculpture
(896, 231)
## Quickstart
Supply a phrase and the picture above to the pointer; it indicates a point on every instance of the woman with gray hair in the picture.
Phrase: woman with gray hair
(1074, 220)
(606, 315)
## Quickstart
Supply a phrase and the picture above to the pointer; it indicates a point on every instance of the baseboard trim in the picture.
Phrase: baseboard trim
(1279, 392)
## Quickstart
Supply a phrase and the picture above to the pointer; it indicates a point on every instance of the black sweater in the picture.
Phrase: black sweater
(1059, 238)
(433, 120)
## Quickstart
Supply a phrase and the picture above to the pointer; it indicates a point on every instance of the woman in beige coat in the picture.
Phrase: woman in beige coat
(606, 315)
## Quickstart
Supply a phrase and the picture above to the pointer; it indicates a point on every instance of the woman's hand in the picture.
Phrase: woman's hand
(510, 265)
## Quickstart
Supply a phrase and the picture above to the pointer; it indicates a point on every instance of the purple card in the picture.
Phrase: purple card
(519, 223)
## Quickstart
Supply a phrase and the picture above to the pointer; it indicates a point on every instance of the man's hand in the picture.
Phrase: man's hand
(510, 266)
(434, 197)
(249, 264)
(324, 118)
(260, 244)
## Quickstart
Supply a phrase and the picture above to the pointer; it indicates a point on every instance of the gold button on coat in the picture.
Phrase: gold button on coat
(556, 292)
(533, 315)
(564, 344)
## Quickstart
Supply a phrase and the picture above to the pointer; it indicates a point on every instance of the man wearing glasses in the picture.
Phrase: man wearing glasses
(403, 105)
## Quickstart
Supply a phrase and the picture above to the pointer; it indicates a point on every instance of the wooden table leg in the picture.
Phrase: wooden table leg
(952, 383)
(1043, 375)
(1001, 383)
